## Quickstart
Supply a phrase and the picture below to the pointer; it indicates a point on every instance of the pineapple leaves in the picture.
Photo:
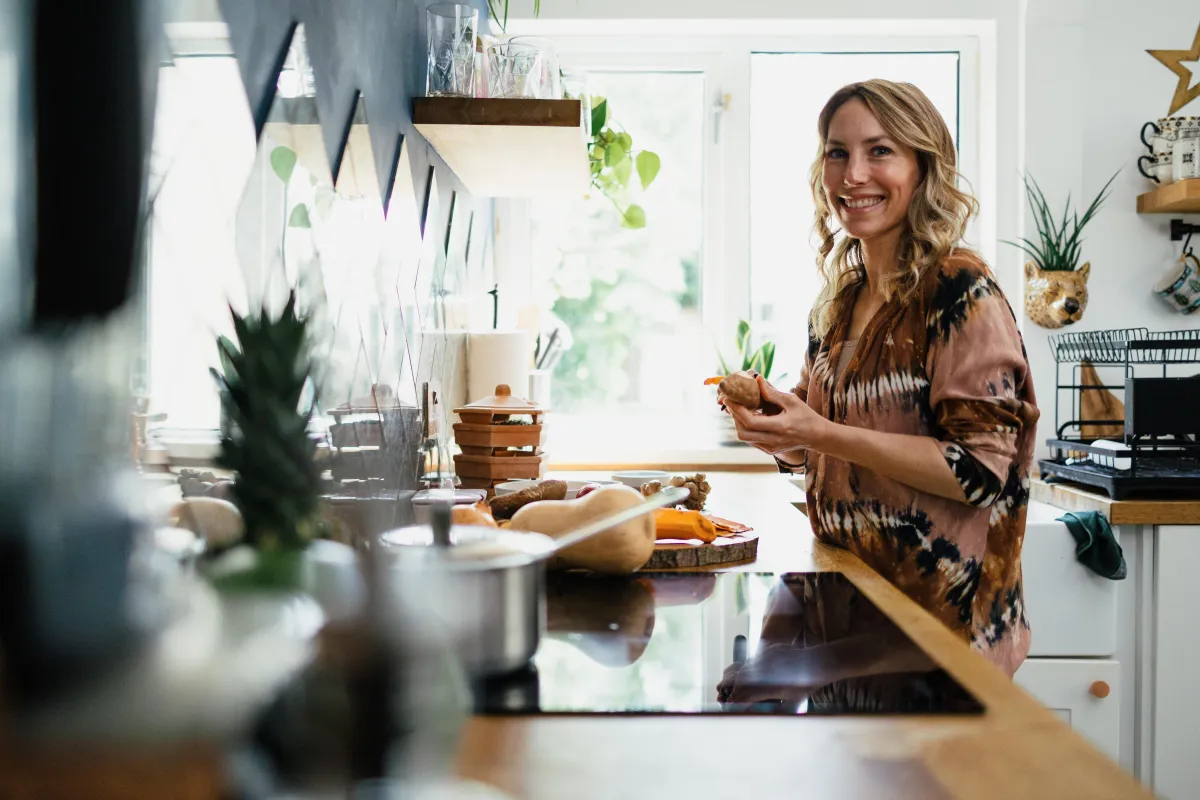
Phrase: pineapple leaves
(1060, 241)
(263, 374)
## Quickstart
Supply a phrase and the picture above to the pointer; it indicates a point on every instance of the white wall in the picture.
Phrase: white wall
(1089, 87)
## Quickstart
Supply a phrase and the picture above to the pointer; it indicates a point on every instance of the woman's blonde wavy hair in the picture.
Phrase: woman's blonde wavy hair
(937, 214)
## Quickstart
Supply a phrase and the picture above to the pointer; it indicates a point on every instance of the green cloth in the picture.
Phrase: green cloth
(1095, 546)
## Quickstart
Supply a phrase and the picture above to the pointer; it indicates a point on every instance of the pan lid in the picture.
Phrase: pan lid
(470, 547)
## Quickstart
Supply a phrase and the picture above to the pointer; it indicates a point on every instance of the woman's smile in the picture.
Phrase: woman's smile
(861, 203)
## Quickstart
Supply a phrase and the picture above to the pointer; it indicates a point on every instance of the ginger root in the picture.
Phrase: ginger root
(741, 389)
(697, 486)
(505, 505)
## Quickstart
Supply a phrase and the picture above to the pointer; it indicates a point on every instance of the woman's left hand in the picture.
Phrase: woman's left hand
(796, 426)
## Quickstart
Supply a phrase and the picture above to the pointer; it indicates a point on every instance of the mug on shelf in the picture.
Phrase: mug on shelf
(1158, 136)
(1185, 155)
(1179, 285)
(1157, 167)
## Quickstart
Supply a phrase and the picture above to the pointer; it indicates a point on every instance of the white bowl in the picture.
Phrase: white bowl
(573, 487)
(638, 477)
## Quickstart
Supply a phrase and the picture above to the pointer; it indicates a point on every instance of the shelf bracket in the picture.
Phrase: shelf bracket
(1180, 229)
(1183, 230)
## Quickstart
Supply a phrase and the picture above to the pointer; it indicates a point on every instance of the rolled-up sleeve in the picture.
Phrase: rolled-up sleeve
(977, 373)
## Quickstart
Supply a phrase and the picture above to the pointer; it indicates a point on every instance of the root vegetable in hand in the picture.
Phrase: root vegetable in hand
(741, 389)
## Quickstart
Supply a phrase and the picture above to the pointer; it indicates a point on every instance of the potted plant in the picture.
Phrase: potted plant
(761, 359)
(1055, 283)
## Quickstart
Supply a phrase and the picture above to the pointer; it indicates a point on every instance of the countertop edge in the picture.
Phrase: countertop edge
(1119, 512)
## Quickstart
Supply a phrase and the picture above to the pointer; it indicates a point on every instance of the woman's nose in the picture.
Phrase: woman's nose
(856, 170)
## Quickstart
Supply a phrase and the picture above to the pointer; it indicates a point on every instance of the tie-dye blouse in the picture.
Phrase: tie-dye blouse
(952, 366)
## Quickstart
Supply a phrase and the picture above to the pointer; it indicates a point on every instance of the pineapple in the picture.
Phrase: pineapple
(264, 437)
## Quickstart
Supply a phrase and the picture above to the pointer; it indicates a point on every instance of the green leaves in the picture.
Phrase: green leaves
(612, 163)
(634, 217)
(299, 217)
(761, 360)
(614, 154)
(599, 116)
(324, 200)
(621, 171)
(648, 165)
(283, 162)
(1059, 242)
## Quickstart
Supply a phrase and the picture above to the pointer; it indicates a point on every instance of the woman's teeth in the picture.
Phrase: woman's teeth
(861, 202)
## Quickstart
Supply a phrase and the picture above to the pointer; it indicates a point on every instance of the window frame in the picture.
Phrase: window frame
(726, 63)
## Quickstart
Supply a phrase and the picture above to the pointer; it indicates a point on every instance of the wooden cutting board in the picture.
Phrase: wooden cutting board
(679, 554)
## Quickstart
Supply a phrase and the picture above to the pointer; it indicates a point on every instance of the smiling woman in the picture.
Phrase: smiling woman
(914, 412)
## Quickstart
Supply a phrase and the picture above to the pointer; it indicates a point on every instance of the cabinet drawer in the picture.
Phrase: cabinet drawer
(1084, 693)
(1072, 610)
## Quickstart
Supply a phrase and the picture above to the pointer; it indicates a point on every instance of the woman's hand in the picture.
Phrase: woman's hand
(779, 672)
(794, 427)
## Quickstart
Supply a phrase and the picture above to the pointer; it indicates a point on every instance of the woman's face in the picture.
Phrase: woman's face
(869, 177)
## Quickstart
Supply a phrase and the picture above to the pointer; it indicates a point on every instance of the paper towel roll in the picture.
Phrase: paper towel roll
(497, 357)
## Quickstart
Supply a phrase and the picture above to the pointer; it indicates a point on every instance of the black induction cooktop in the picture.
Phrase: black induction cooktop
(725, 643)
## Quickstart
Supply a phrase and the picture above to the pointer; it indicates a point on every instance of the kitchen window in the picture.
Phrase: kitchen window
(728, 228)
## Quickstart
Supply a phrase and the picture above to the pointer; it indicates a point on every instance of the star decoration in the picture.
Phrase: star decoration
(1172, 60)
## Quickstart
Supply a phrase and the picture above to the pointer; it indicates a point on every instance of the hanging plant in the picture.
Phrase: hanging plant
(613, 162)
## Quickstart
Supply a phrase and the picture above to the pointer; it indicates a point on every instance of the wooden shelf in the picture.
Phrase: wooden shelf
(1180, 197)
(508, 148)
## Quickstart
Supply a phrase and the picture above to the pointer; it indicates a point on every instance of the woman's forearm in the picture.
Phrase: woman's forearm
(916, 461)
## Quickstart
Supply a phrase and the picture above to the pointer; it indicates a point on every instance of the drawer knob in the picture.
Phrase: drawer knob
(1100, 689)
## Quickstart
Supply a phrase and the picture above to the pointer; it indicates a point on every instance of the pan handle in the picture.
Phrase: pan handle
(670, 496)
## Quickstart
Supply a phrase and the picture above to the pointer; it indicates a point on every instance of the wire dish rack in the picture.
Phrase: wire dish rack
(1157, 452)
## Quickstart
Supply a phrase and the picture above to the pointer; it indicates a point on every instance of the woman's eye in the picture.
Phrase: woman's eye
(881, 150)
(836, 152)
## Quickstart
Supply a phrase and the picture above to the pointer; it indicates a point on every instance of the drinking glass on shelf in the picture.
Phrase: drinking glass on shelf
(514, 70)
(575, 87)
(451, 52)
(551, 83)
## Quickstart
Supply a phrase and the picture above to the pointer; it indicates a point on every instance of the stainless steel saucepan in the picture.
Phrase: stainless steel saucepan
(484, 589)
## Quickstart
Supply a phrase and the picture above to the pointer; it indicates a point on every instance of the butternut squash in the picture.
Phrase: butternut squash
(620, 550)
(673, 523)
(478, 514)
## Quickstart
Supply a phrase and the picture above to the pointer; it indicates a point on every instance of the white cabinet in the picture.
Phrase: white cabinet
(1085, 693)
(1072, 611)
(1073, 615)
(1176, 648)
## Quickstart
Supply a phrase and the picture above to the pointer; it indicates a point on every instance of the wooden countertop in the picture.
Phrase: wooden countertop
(1015, 749)
(1119, 512)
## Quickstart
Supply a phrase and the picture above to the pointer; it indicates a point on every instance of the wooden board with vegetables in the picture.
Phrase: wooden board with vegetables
(670, 538)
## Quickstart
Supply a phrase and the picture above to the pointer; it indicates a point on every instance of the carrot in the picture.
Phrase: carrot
(714, 381)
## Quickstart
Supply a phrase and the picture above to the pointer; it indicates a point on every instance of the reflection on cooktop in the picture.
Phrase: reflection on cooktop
(742, 643)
